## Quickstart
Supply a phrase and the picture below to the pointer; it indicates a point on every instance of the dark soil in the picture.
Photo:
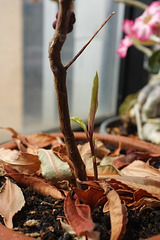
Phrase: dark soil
(43, 211)
(122, 127)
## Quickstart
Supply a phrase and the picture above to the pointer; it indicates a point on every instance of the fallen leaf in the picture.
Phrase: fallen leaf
(39, 184)
(100, 149)
(138, 194)
(78, 216)
(146, 202)
(53, 168)
(11, 201)
(139, 168)
(110, 159)
(91, 196)
(150, 185)
(2, 172)
(157, 237)
(125, 160)
(6, 233)
(22, 162)
(61, 151)
(33, 140)
(93, 235)
(107, 170)
(118, 216)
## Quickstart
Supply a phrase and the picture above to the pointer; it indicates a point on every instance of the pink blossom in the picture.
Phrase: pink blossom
(142, 30)
(127, 41)
(124, 45)
(146, 23)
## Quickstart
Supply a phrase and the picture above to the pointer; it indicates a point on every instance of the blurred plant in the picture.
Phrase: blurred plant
(143, 31)
(144, 34)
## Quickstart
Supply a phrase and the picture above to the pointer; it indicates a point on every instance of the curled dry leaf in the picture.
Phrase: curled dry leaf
(136, 182)
(100, 149)
(125, 160)
(61, 151)
(22, 162)
(53, 168)
(118, 216)
(148, 202)
(78, 216)
(105, 167)
(38, 184)
(11, 201)
(141, 169)
(33, 140)
(91, 196)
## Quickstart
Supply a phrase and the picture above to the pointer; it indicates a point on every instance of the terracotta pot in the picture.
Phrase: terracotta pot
(6, 233)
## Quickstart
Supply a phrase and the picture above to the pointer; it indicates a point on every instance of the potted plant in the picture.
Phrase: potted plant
(142, 109)
(90, 180)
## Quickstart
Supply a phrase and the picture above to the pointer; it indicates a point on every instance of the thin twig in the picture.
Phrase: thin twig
(84, 47)
(133, 3)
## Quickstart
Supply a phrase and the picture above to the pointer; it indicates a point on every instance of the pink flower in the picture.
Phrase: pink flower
(145, 24)
(142, 30)
(127, 41)
(124, 45)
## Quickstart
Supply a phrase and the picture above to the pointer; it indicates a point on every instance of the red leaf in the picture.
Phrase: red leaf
(126, 160)
(78, 216)
(91, 196)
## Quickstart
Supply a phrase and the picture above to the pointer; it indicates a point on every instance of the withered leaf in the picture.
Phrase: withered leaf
(78, 216)
(39, 184)
(91, 196)
(53, 168)
(118, 215)
(141, 169)
(11, 201)
(22, 162)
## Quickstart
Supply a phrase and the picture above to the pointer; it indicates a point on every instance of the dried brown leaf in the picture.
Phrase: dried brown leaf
(147, 202)
(38, 184)
(78, 216)
(31, 141)
(22, 162)
(150, 185)
(53, 169)
(93, 235)
(100, 149)
(118, 215)
(139, 168)
(11, 201)
(91, 196)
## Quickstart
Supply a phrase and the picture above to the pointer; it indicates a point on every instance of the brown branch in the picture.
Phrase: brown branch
(84, 47)
(60, 74)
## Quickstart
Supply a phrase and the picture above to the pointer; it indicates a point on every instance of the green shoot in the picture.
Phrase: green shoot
(91, 120)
